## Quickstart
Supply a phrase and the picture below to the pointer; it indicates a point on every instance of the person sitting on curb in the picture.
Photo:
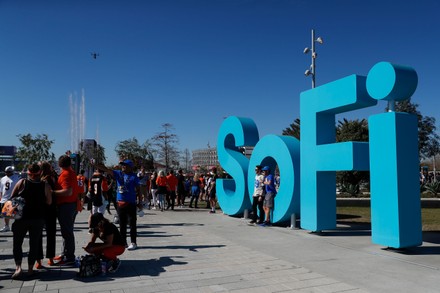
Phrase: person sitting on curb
(113, 244)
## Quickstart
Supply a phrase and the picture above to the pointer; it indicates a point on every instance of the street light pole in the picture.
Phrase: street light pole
(313, 59)
(312, 70)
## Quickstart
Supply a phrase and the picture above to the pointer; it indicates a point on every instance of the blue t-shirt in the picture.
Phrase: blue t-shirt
(126, 186)
(271, 186)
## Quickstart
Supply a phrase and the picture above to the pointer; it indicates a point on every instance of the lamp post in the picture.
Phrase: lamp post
(311, 71)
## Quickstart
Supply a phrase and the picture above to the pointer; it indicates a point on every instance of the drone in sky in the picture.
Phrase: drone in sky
(94, 55)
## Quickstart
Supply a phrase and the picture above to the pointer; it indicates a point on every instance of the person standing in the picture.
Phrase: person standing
(172, 185)
(258, 196)
(143, 179)
(82, 186)
(36, 195)
(7, 184)
(98, 188)
(195, 190)
(212, 192)
(269, 183)
(67, 198)
(162, 189)
(49, 176)
(153, 189)
(181, 193)
(128, 197)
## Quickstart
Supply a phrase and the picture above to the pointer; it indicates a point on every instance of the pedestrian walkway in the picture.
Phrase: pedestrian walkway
(193, 251)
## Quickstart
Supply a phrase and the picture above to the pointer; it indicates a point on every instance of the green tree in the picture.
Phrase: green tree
(293, 129)
(432, 149)
(141, 155)
(34, 149)
(426, 126)
(186, 160)
(352, 130)
(165, 146)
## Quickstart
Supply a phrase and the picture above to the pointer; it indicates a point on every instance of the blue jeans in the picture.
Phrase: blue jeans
(66, 218)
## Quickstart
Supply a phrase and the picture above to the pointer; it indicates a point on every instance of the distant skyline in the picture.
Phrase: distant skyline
(193, 62)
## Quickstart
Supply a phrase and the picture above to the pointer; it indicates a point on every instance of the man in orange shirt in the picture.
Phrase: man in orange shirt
(172, 185)
(66, 199)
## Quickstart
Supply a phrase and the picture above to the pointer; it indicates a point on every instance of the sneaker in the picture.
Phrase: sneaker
(58, 258)
(50, 262)
(114, 266)
(132, 246)
(66, 262)
(212, 212)
(5, 229)
(38, 265)
(264, 224)
(253, 222)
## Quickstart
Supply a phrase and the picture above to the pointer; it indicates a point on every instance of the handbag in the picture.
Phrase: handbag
(13, 208)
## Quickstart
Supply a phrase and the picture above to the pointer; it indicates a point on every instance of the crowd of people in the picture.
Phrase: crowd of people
(51, 198)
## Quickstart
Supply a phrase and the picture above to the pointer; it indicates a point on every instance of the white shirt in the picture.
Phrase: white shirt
(258, 185)
(6, 186)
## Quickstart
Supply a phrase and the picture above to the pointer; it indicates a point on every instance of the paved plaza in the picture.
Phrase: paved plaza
(190, 250)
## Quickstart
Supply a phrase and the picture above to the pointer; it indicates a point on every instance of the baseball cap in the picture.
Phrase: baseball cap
(127, 162)
(266, 168)
(9, 169)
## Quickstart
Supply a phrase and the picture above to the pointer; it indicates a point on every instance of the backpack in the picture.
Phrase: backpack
(90, 266)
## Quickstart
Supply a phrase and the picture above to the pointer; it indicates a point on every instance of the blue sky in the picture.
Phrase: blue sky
(193, 62)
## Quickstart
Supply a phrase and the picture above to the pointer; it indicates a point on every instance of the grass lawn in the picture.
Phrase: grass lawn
(430, 216)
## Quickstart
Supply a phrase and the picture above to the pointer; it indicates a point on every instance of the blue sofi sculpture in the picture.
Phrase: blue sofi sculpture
(308, 188)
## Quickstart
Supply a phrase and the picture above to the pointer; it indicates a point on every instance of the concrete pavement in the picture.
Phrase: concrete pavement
(189, 250)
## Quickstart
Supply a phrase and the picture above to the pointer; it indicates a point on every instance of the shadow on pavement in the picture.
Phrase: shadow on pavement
(150, 267)
(194, 248)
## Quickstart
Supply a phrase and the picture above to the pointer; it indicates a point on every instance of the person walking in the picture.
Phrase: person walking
(7, 184)
(128, 198)
(36, 195)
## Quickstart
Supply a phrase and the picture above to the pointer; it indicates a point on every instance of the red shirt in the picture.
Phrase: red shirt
(172, 182)
(161, 181)
(68, 180)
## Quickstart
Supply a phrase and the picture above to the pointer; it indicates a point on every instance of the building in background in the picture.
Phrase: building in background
(204, 159)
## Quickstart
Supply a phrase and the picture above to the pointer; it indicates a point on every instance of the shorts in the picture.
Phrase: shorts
(268, 200)
(100, 209)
